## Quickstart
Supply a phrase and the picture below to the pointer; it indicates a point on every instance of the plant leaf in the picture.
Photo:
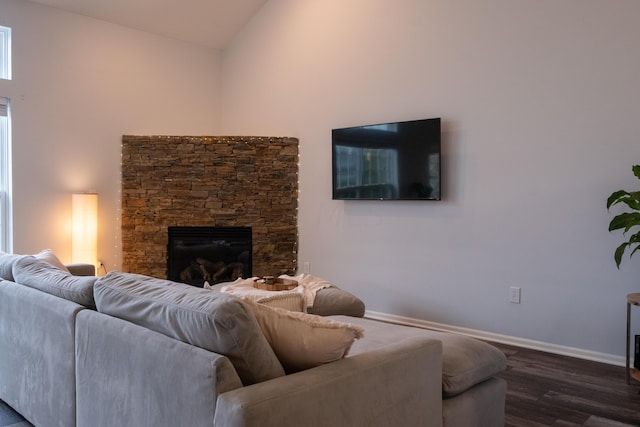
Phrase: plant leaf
(618, 254)
(615, 197)
(630, 199)
(633, 201)
(625, 220)
(635, 239)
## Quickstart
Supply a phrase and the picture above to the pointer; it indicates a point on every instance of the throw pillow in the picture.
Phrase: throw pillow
(288, 301)
(302, 341)
(48, 256)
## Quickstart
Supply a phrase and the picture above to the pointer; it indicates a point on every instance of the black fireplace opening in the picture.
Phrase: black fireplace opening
(208, 254)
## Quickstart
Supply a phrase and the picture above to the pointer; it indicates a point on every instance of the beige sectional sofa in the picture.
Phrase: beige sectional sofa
(129, 350)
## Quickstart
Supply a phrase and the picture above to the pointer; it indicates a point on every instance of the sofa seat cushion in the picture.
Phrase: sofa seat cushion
(465, 361)
(39, 274)
(214, 321)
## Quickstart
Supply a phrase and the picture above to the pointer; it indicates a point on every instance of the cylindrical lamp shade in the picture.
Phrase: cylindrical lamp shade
(84, 233)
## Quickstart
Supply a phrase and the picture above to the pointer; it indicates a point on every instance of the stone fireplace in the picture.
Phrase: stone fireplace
(209, 181)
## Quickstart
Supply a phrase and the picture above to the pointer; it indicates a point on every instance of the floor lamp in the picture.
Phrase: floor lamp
(84, 234)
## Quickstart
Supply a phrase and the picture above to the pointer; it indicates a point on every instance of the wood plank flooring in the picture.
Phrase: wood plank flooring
(543, 389)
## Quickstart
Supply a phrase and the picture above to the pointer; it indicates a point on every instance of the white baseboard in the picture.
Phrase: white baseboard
(503, 339)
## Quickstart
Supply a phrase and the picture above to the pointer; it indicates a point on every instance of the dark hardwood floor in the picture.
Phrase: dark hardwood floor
(545, 389)
(10, 418)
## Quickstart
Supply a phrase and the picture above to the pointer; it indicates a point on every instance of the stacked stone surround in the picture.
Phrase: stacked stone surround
(209, 181)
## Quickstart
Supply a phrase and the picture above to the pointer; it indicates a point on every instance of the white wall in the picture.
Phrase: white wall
(540, 104)
(78, 85)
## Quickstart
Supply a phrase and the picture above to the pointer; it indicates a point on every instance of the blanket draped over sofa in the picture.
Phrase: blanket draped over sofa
(308, 286)
(127, 349)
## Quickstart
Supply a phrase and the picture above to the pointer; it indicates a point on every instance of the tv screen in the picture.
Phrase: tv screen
(390, 161)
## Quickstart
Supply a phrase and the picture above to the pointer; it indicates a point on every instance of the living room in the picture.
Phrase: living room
(539, 105)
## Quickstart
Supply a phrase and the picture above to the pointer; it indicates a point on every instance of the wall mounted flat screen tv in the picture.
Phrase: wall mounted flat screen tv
(390, 161)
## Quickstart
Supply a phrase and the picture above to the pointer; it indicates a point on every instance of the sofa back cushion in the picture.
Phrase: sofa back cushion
(214, 321)
(39, 274)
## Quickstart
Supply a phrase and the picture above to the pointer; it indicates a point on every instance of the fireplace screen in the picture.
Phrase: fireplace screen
(211, 254)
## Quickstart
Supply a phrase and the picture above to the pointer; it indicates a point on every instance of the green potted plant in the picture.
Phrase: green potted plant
(626, 220)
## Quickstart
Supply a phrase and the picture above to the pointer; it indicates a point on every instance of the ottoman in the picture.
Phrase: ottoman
(472, 394)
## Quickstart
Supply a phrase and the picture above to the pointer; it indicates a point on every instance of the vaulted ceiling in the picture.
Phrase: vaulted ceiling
(211, 23)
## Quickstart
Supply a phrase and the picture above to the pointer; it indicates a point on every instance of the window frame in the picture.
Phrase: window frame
(6, 223)
(5, 53)
(6, 220)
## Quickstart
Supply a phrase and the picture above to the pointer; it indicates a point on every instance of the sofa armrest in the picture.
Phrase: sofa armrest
(81, 269)
(397, 385)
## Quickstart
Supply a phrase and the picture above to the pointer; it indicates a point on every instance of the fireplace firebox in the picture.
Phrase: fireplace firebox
(208, 254)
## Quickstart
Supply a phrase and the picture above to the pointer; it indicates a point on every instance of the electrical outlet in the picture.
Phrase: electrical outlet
(514, 295)
(306, 267)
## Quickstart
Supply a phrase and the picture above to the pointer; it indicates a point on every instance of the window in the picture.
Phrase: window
(6, 234)
(5, 176)
(5, 53)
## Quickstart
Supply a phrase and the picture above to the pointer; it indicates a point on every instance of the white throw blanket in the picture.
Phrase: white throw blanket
(308, 285)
